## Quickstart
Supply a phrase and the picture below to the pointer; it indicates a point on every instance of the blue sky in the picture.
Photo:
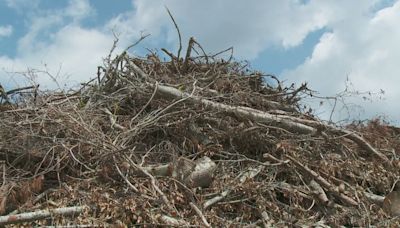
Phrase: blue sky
(323, 43)
(276, 59)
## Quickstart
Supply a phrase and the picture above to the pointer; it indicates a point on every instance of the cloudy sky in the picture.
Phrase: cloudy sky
(331, 44)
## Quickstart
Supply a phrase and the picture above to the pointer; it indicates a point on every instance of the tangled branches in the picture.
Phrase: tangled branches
(194, 141)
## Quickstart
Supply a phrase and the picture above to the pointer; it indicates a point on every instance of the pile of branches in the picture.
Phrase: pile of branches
(193, 141)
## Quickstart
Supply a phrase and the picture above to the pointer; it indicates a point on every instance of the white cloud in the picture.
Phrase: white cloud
(147, 17)
(20, 5)
(59, 45)
(42, 24)
(79, 9)
(362, 47)
(39, 25)
(74, 53)
(249, 27)
(6, 30)
(76, 50)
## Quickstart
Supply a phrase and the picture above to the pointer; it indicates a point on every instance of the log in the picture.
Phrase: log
(250, 113)
(288, 123)
(36, 215)
(203, 172)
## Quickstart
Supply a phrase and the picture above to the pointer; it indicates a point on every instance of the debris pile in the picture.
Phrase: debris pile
(194, 141)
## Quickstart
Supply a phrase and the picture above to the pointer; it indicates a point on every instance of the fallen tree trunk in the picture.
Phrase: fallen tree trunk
(237, 110)
(289, 123)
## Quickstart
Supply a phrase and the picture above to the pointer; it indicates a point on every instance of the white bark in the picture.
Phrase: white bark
(36, 215)
(245, 112)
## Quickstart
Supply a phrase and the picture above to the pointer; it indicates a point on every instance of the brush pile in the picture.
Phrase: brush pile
(194, 141)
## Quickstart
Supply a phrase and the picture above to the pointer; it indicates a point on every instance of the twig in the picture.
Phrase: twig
(179, 33)
(3, 94)
(142, 37)
(353, 136)
(113, 120)
(223, 51)
(174, 59)
(201, 48)
(271, 158)
(3, 166)
(363, 144)
(187, 57)
(158, 190)
(155, 186)
(323, 182)
(319, 192)
(172, 56)
(377, 199)
(39, 197)
(243, 177)
(114, 46)
(200, 214)
(295, 190)
(9, 92)
(75, 158)
(172, 221)
(124, 177)
(144, 107)
(216, 199)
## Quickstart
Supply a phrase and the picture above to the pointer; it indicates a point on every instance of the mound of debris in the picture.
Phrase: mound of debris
(194, 141)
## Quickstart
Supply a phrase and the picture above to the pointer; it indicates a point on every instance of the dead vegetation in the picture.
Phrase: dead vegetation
(198, 141)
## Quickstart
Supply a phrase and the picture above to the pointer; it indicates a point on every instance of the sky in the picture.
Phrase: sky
(339, 47)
